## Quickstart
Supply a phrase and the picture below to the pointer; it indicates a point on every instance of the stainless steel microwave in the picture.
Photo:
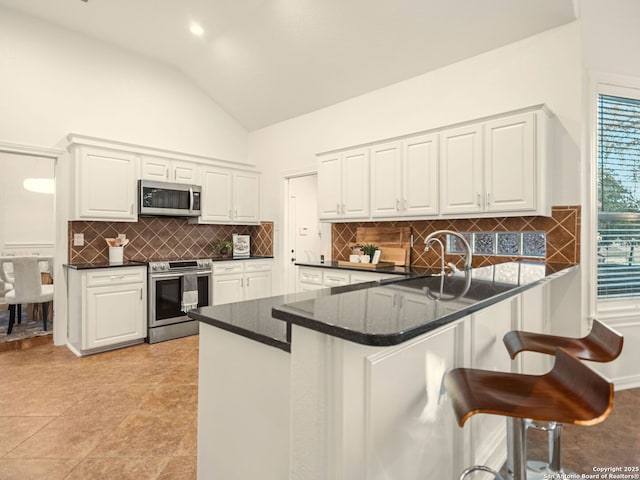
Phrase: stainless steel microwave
(170, 199)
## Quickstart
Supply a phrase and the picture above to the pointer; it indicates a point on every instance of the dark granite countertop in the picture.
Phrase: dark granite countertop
(89, 266)
(142, 263)
(379, 313)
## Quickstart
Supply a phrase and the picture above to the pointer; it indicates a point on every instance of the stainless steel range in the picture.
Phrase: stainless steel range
(167, 318)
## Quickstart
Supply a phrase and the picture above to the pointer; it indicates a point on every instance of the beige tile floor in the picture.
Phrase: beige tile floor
(126, 414)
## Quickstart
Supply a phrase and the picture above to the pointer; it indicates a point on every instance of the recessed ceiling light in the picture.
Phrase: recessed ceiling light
(196, 29)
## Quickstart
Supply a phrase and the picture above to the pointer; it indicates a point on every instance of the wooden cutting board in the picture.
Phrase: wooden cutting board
(394, 242)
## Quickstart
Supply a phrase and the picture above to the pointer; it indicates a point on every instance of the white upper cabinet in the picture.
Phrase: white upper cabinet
(386, 180)
(168, 170)
(246, 197)
(330, 185)
(496, 165)
(461, 172)
(105, 184)
(343, 185)
(404, 178)
(229, 196)
(510, 164)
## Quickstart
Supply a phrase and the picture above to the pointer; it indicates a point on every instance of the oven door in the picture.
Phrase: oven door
(165, 297)
(172, 199)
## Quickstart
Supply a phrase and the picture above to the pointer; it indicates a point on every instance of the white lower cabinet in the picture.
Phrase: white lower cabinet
(314, 278)
(240, 280)
(107, 308)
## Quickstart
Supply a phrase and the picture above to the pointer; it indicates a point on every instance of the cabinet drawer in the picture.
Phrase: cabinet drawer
(230, 267)
(256, 266)
(116, 276)
(332, 279)
(310, 275)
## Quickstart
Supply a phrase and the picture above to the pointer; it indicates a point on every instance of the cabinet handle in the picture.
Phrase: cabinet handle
(140, 294)
(230, 214)
(168, 173)
(404, 204)
(488, 199)
(242, 282)
(131, 209)
(478, 199)
(397, 204)
(248, 278)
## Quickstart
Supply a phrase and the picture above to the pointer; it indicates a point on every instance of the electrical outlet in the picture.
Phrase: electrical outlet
(122, 236)
(78, 239)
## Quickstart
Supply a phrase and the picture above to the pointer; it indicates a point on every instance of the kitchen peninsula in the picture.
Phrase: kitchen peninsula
(346, 382)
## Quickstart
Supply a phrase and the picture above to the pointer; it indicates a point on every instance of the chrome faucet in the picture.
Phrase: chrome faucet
(467, 249)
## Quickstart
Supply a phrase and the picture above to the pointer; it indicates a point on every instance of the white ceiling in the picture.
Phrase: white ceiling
(265, 61)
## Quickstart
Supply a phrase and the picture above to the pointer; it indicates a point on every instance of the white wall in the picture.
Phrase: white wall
(545, 68)
(610, 36)
(20, 234)
(55, 82)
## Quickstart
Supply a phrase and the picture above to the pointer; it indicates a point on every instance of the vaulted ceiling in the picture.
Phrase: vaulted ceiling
(265, 61)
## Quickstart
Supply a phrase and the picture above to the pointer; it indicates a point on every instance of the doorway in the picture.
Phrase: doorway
(27, 226)
(303, 230)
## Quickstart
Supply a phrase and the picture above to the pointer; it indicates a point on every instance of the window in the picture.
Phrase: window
(618, 200)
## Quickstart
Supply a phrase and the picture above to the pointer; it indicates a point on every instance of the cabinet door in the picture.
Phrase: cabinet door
(155, 168)
(420, 176)
(106, 185)
(386, 185)
(257, 285)
(115, 314)
(216, 195)
(510, 164)
(461, 179)
(228, 288)
(329, 186)
(246, 197)
(355, 184)
(184, 172)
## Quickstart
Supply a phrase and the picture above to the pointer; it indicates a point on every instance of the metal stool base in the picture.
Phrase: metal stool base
(481, 468)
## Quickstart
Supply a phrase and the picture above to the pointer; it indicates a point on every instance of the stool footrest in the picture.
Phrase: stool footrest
(481, 468)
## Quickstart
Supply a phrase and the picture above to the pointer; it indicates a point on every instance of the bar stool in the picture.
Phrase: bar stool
(570, 393)
(602, 344)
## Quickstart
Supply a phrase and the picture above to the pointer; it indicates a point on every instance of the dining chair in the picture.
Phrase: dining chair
(28, 287)
(6, 278)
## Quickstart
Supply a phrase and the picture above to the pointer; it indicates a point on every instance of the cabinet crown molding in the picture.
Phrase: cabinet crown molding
(542, 107)
(76, 139)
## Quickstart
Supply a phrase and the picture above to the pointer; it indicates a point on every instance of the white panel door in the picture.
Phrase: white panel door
(510, 164)
(246, 197)
(386, 184)
(184, 172)
(228, 288)
(257, 285)
(461, 170)
(107, 185)
(329, 186)
(155, 168)
(488, 353)
(355, 184)
(115, 314)
(420, 175)
(411, 431)
(216, 194)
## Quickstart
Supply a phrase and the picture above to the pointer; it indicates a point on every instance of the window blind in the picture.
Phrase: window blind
(618, 197)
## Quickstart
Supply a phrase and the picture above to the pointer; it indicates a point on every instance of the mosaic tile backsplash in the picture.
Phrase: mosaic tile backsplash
(163, 238)
(555, 239)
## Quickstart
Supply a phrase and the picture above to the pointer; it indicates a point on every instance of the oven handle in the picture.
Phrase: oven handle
(166, 275)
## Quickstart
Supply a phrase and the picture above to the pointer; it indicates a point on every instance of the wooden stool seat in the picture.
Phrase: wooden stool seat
(570, 393)
(601, 345)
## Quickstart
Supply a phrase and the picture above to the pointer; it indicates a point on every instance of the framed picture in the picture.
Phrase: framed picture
(241, 246)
